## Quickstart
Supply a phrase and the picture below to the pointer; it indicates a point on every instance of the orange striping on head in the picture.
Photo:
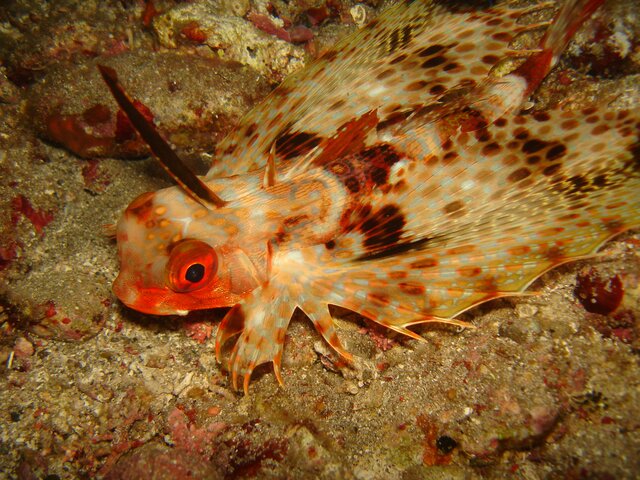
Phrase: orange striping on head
(141, 207)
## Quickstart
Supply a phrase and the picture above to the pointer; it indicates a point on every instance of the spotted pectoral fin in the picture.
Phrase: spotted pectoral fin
(319, 315)
(261, 321)
(488, 215)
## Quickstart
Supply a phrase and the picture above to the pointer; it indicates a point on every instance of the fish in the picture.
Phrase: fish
(397, 176)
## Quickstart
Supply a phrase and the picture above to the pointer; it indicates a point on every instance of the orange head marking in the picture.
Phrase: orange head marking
(177, 256)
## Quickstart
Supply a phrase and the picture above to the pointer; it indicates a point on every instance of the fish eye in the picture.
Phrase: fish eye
(192, 265)
(195, 273)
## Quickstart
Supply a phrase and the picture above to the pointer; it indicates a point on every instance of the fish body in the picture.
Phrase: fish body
(395, 177)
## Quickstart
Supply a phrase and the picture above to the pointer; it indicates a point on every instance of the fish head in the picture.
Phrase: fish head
(176, 256)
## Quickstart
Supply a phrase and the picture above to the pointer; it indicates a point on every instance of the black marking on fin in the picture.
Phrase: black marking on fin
(396, 249)
(295, 144)
(169, 160)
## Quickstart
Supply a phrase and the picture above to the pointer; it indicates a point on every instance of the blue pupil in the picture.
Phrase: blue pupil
(195, 273)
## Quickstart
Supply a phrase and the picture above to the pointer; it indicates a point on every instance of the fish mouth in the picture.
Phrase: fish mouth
(144, 300)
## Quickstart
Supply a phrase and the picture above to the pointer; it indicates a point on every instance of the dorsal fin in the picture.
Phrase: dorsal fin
(175, 167)
(269, 179)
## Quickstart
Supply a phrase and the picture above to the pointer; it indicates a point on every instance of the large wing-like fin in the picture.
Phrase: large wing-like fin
(525, 194)
(410, 58)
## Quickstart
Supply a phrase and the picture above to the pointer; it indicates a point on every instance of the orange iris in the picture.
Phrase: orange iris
(192, 265)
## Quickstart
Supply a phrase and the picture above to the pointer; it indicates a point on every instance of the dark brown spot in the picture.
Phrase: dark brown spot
(453, 207)
(534, 145)
(294, 220)
(417, 85)
(433, 62)
(482, 134)
(502, 36)
(551, 170)
(450, 66)
(385, 74)
(379, 298)
(600, 129)
(412, 288)
(613, 225)
(393, 119)
(578, 183)
(533, 159)
(500, 122)
(491, 149)
(352, 184)
(294, 144)
(330, 245)
(337, 105)
(230, 149)
(330, 55)
(383, 228)
(569, 124)
(250, 130)
(519, 174)
(521, 133)
(449, 158)
(437, 90)
(400, 38)
(541, 116)
(398, 59)
(490, 59)
(430, 51)
(377, 161)
(556, 152)
(424, 263)
(634, 149)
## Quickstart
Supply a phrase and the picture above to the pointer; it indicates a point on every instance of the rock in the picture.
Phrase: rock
(193, 101)
(158, 462)
(229, 37)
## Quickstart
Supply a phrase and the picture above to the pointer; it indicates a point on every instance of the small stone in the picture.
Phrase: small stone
(524, 310)
(351, 387)
(520, 330)
(23, 348)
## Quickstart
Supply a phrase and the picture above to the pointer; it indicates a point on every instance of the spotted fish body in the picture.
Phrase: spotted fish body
(395, 177)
